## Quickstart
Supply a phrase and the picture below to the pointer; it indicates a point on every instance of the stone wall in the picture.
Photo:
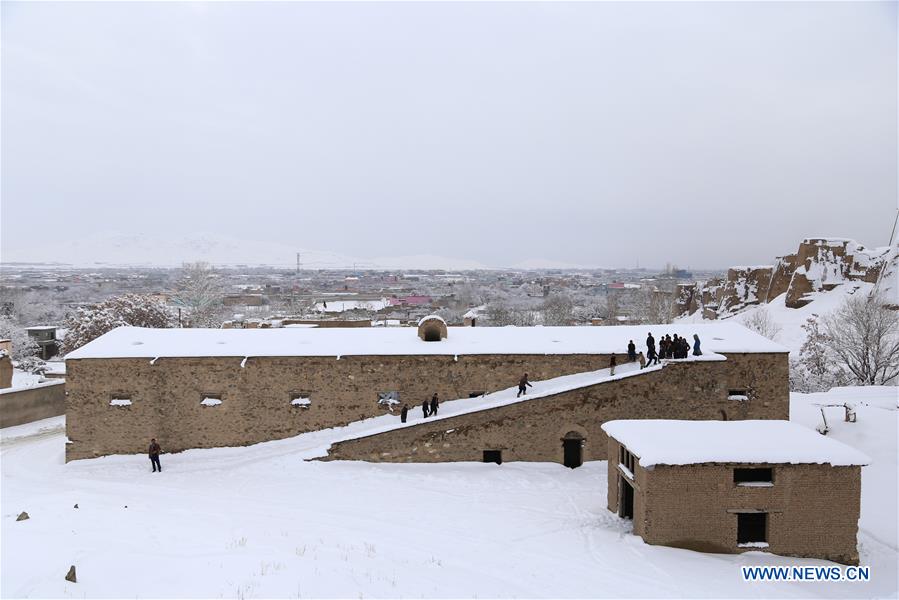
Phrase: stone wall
(813, 510)
(6, 370)
(533, 430)
(24, 405)
(165, 396)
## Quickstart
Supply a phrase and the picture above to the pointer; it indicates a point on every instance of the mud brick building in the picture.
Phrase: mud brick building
(201, 388)
(730, 487)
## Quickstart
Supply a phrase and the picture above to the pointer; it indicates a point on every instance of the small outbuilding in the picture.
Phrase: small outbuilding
(734, 486)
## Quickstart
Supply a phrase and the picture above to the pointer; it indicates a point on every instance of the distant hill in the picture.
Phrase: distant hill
(156, 251)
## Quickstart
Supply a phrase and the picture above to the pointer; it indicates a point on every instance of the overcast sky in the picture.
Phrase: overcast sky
(702, 134)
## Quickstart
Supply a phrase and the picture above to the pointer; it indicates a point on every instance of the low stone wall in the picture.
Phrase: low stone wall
(533, 430)
(24, 405)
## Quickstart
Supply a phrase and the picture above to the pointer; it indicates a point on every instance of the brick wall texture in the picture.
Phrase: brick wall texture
(165, 399)
(533, 430)
(813, 510)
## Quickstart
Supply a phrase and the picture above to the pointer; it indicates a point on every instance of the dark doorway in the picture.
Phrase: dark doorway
(573, 453)
(432, 334)
(626, 499)
(493, 456)
(573, 450)
(752, 528)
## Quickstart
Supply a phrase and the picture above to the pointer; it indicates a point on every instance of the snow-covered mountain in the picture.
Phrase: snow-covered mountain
(156, 251)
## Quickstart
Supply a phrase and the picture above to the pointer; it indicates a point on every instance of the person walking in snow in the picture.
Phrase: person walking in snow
(523, 385)
(612, 362)
(434, 404)
(154, 452)
(650, 345)
(663, 348)
(404, 413)
(696, 350)
(652, 356)
(631, 351)
(424, 409)
(642, 360)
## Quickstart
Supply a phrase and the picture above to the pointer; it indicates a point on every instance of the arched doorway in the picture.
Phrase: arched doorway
(573, 450)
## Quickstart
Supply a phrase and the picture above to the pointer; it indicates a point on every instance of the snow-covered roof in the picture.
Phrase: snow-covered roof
(135, 342)
(665, 442)
(427, 318)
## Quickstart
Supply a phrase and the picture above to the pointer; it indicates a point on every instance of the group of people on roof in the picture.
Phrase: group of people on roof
(669, 347)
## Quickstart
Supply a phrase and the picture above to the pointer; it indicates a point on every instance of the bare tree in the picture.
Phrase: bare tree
(655, 305)
(499, 315)
(557, 310)
(761, 322)
(863, 336)
(23, 345)
(31, 308)
(815, 370)
(612, 308)
(199, 293)
(135, 310)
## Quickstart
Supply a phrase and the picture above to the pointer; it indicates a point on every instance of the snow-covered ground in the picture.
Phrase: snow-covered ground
(23, 379)
(262, 522)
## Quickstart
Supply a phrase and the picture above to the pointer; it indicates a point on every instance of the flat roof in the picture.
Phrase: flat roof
(668, 442)
(135, 342)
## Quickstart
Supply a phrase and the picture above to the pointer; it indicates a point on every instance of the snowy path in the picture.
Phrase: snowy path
(260, 521)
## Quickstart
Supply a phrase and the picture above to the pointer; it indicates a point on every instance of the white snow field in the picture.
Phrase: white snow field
(261, 521)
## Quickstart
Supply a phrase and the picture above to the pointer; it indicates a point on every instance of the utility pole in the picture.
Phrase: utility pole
(298, 264)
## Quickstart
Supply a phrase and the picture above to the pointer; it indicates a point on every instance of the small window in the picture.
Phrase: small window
(301, 400)
(493, 456)
(739, 395)
(120, 400)
(476, 394)
(626, 459)
(389, 399)
(211, 399)
(754, 477)
(752, 530)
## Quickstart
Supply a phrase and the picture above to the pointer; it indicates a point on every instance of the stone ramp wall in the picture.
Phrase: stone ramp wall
(533, 430)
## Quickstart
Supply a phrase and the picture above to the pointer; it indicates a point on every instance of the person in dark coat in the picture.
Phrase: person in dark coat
(434, 404)
(612, 362)
(696, 350)
(669, 347)
(674, 348)
(650, 344)
(631, 351)
(652, 356)
(425, 409)
(154, 452)
(404, 413)
(663, 349)
(523, 385)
